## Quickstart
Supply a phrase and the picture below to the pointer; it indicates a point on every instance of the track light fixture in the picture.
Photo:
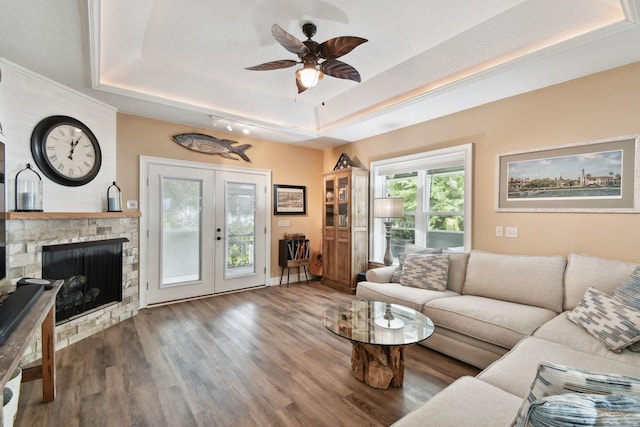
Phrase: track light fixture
(229, 125)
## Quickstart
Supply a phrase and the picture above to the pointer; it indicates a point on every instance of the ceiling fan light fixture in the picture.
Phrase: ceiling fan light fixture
(309, 75)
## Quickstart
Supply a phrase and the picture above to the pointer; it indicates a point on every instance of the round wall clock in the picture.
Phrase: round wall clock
(66, 150)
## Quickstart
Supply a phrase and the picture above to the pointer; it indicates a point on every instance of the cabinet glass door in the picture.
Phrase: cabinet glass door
(343, 202)
(330, 195)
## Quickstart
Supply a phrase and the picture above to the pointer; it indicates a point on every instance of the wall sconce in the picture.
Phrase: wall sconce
(388, 208)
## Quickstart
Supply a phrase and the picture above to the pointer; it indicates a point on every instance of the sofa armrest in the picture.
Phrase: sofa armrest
(381, 275)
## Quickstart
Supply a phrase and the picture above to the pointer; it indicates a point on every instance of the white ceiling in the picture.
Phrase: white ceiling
(185, 60)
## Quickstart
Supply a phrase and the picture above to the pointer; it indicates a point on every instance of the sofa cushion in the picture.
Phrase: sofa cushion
(609, 321)
(410, 249)
(523, 279)
(395, 293)
(455, 281)
(563, 331)
(515, 371)
(498, 322)
(466, 401)
(457, 270)
(573, 409)
(463, 347)
(552, 379)
(584, 272)
(426, 271)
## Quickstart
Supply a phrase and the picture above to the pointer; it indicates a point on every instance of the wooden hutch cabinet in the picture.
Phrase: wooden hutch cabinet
(345, 234)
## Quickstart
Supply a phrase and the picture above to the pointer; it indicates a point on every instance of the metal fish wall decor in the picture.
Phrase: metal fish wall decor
(211, 145)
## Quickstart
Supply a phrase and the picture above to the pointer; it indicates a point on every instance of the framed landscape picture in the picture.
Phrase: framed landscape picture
(289, 200)
(596, 176)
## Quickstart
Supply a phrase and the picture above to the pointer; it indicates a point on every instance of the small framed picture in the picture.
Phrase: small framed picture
(289, 199)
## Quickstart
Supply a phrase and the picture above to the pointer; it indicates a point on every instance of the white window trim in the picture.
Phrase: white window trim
(434, 158)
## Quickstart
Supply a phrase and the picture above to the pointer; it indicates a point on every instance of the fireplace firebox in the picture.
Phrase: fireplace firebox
(92, 273)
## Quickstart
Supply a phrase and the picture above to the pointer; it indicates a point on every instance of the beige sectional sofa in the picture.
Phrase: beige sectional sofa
(506, 314)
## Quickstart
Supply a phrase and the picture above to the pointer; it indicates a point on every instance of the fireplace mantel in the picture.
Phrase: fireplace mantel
(70, 215)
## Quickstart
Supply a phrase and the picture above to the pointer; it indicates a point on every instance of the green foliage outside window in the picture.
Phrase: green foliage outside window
(446, 201)
(447, 195)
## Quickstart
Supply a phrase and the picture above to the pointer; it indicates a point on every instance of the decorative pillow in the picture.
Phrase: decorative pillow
(554, 379)
(571, 409)
(410, 249)
(628, 293)
(614, 324)
(427, 271)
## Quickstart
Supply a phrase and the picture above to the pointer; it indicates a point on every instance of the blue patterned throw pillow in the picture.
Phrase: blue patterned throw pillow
(571, 409)
(629, 294)
(554, 379)
(611, 322)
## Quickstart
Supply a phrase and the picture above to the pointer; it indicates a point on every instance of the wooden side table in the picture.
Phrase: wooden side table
(42, 314)
(294, 253)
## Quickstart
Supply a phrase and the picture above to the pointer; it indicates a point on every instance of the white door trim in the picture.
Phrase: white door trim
(143, 256)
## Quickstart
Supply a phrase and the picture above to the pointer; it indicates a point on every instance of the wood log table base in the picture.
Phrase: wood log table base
(379, 366)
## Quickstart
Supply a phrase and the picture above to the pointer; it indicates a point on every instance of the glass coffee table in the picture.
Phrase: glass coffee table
(379, 333)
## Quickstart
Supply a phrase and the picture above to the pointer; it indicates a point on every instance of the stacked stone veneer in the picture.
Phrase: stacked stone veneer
(25, 239)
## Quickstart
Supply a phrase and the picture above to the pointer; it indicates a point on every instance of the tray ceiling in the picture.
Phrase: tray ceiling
(185, 61)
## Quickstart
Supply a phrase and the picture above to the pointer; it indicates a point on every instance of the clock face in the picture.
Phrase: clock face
(66, 150)
(69, 151)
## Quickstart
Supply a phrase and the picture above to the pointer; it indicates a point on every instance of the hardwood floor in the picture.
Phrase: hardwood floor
(255, 358)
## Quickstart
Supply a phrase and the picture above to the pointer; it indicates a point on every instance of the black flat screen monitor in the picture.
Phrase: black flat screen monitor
(3, 214)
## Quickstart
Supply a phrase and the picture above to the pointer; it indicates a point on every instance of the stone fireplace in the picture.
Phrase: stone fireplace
(29, 232)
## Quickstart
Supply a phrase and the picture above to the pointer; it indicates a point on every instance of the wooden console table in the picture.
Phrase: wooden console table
(43, 314)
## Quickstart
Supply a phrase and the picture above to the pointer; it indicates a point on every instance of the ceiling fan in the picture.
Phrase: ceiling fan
(317, 59)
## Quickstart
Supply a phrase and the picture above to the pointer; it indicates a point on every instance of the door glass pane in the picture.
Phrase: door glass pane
(181, 223)
(241, 228)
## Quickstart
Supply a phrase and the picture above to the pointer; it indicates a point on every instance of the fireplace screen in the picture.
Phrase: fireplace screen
(92, 273)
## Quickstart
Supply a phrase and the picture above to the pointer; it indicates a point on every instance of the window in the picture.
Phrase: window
(436, 188)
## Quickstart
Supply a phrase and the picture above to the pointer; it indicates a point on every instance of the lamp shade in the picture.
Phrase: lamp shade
(388, 207)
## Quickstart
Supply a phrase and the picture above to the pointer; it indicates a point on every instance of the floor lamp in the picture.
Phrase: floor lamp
(388, 208)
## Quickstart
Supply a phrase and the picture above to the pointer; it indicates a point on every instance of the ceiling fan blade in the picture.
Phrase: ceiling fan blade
(339, 69)
(288, 41)
(338, 46)
(301, 88)
(273, 65)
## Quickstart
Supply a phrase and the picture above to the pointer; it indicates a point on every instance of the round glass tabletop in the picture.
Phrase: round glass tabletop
(375, 322)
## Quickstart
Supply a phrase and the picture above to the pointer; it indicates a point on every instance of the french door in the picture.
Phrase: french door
(206, 230)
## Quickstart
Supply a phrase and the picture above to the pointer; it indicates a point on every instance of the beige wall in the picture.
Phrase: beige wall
(603, 105)
(289, 164)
